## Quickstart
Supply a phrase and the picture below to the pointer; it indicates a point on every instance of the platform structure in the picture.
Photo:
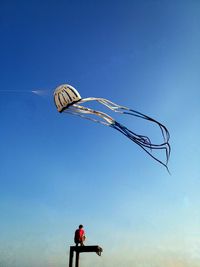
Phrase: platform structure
(80, 249)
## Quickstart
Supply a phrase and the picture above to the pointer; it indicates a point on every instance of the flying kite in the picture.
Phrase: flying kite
(67, 99)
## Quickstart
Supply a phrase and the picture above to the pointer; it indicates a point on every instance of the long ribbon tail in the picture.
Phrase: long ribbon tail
(124, 110)
(84, 112)
(143, 142)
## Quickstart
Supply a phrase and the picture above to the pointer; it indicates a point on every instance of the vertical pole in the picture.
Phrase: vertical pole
(77, 259)
(71, 254)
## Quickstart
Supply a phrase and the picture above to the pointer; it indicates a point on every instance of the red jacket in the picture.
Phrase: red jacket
(79, 234)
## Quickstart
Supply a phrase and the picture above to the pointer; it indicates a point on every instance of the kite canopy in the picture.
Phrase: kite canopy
(65, 95)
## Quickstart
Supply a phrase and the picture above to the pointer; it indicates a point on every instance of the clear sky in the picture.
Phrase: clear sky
(58, 171)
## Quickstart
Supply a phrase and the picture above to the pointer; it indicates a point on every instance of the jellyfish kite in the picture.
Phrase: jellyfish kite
(67, 99)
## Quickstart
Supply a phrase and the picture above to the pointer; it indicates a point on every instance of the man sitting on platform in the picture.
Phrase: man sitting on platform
(79, 236)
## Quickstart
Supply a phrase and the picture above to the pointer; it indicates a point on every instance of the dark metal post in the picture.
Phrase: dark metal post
(71, 254)
(77, 259)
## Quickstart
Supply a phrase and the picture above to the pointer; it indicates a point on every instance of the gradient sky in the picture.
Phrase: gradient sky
(58, 171)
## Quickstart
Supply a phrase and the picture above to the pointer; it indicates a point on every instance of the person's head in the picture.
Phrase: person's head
(80, 226)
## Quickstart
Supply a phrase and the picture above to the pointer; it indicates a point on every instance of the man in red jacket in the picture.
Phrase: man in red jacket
(79, 236)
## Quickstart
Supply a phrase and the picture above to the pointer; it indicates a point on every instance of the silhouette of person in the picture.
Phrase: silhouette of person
(79, 236)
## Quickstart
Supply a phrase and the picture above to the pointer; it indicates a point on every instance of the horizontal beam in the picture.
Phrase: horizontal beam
(81, 249)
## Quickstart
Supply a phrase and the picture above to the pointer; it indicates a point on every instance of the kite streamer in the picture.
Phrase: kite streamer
(68, 100)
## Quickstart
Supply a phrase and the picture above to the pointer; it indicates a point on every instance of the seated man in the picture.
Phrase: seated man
(79, 236)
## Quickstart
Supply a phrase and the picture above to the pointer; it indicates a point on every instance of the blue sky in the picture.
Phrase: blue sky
(58, 171)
